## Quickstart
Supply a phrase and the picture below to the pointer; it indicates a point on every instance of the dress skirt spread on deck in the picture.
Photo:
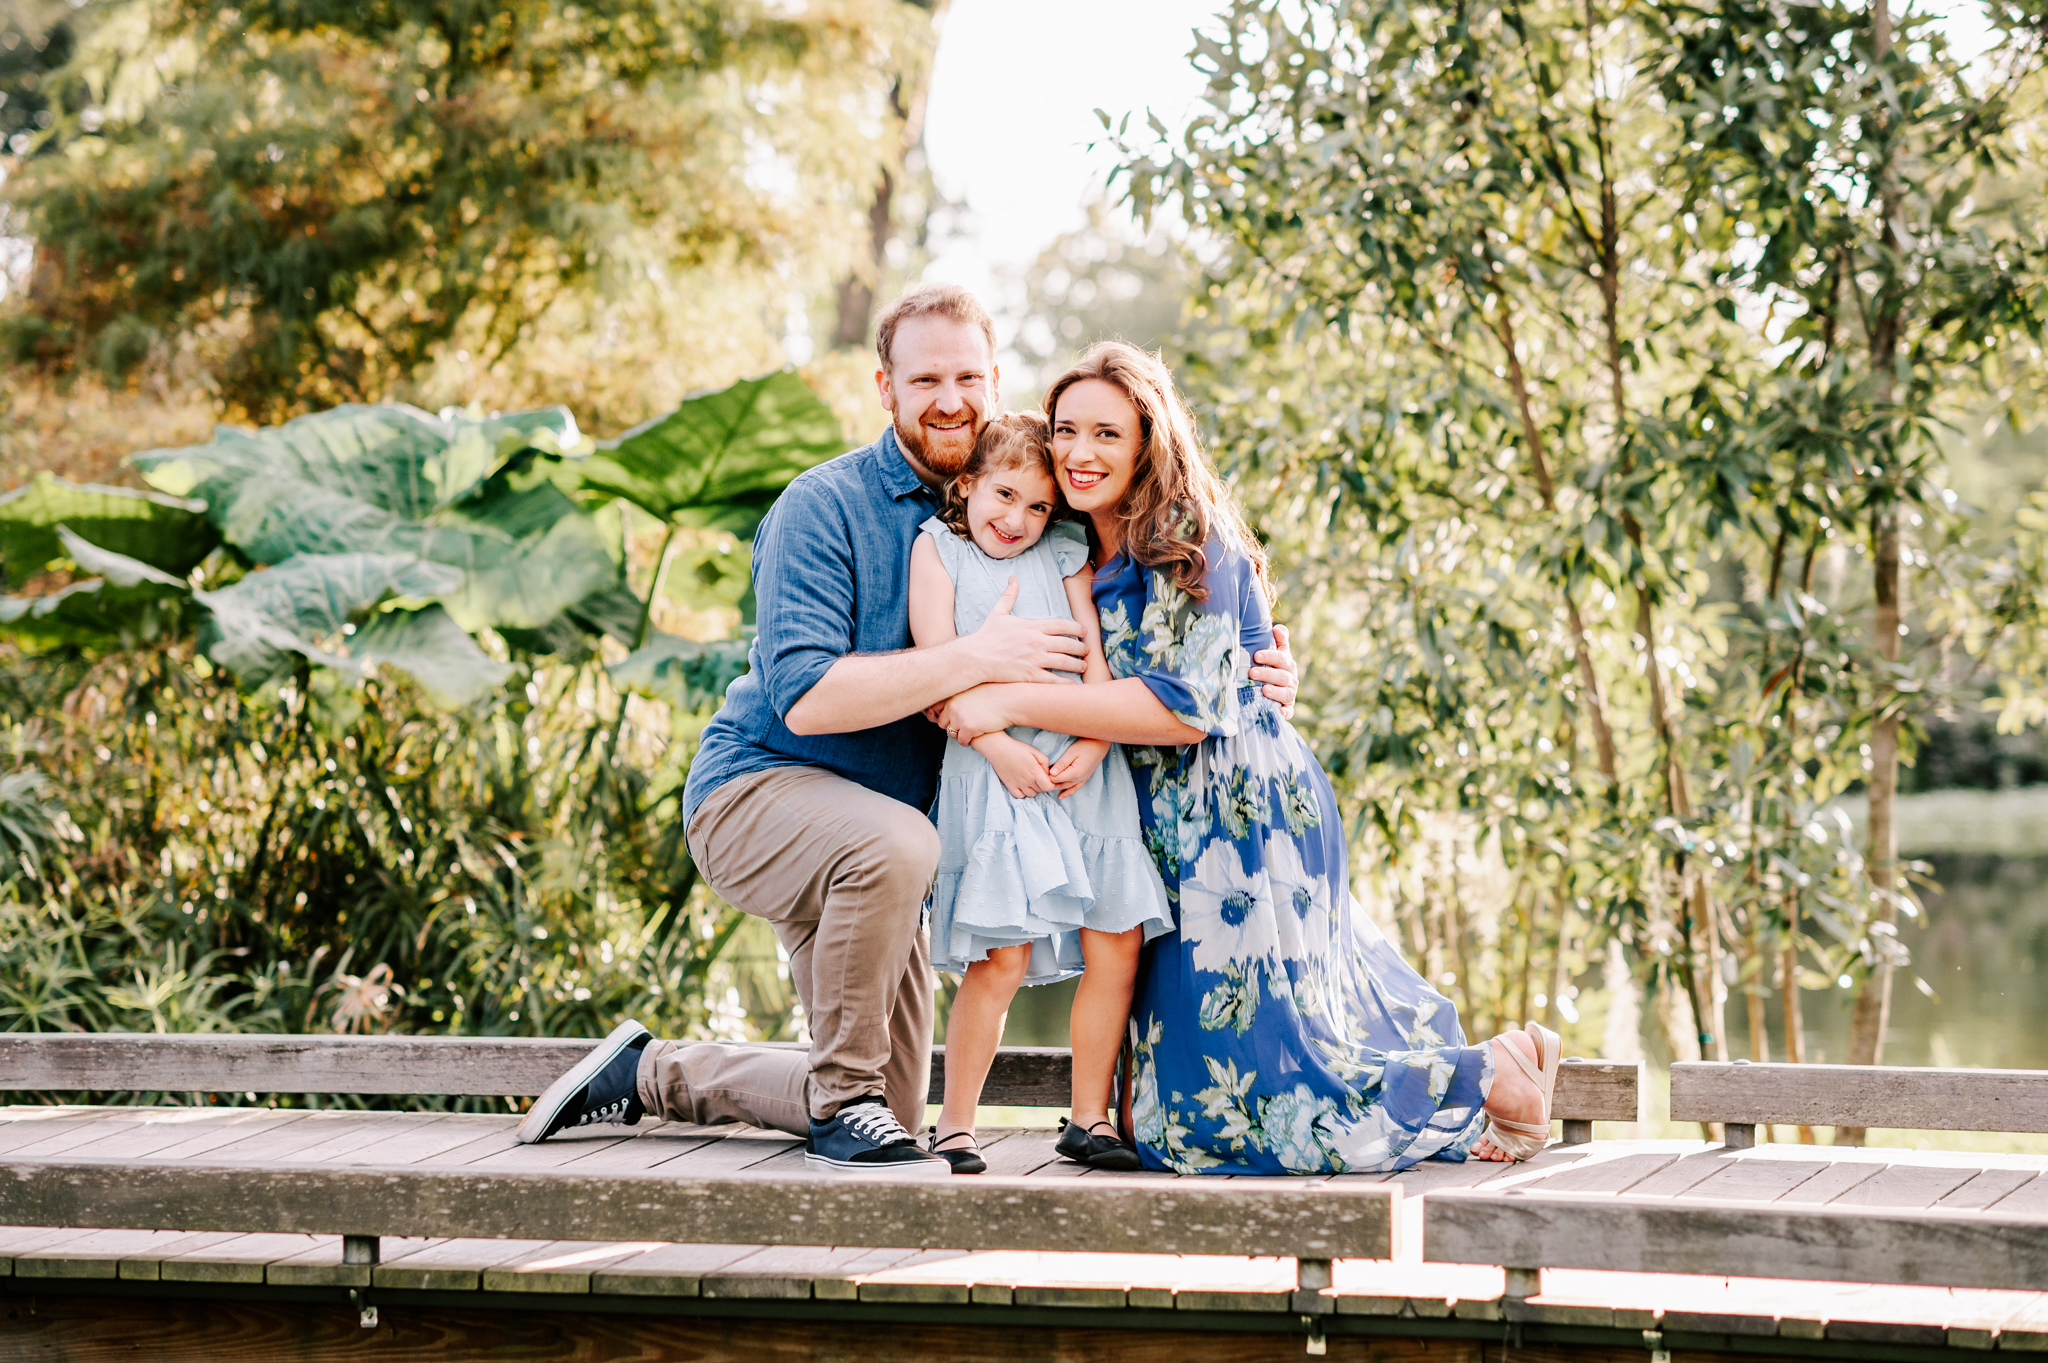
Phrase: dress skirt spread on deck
(1276, 1030)
(1032, 871)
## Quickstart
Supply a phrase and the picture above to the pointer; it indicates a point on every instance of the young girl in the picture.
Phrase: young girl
(1043, 869)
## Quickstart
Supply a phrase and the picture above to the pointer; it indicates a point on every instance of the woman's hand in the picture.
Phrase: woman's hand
(1275, 668)
(1019, 766)
(971, 714)
(1077, 764)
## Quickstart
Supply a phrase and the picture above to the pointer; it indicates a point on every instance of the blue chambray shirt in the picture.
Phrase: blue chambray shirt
(831, 577)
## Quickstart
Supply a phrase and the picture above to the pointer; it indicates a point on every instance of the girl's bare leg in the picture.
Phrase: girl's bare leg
(1102, 1005)
(975, 1028)
(1513, 1097)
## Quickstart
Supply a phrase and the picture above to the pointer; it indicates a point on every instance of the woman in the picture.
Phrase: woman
(1276, 1031)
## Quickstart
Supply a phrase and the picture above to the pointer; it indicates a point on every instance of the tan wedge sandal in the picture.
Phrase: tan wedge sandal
(1522, 1140)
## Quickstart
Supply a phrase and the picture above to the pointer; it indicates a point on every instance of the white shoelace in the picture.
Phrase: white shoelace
(610, 1112)
(875, 1124)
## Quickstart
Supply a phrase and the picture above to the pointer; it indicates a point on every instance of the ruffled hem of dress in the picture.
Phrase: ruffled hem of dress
(1123, 892)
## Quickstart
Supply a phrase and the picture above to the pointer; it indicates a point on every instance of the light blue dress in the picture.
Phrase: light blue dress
(1013, 871)
(1276, 1031)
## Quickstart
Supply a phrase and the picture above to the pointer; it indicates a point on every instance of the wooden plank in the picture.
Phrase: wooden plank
(562, 1266)
(21, 1125)
(1779, 1240)
(1831, 1182)
(1021, 1076)
(1676, 1178)
(789, 1272)
(101, 1254)
(672, 1271)
(1905, 1185)
(240, 1260)
(452, 1265)
(649, 1150)
(1755, 1180)
(1985, 1188)
(1018, 1153)
(1177, 1216)
(743, 1149)
(2029, 1199)
(1861, 1095)
(321, 1264)
(1610, 1175)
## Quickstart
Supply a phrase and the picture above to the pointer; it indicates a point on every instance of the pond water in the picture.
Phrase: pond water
(1981, 945)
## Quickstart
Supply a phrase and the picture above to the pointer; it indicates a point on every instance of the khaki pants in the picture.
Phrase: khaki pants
(841, 874)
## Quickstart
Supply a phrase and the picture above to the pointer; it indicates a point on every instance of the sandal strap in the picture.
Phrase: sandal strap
(1515, 1054)
(968, 1136)
(1519, 1128)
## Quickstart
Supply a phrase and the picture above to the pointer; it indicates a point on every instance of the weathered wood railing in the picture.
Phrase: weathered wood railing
(1960, 1247)
(520, 1067)
(1312, 1222)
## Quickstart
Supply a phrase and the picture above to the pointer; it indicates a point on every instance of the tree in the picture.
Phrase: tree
(538, 202)
(1509, 389)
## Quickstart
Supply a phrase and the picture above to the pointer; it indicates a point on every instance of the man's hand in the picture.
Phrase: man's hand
(971, 714)
(1013, 650)
(1019, 766)
(1275, 668)
(1077, 764)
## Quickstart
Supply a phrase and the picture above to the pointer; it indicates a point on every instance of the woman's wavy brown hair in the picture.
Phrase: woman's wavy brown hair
(1175, 503)
(1014, 440)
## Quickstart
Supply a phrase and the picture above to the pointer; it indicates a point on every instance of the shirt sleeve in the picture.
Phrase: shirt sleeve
(1187, 652)
(803, 592)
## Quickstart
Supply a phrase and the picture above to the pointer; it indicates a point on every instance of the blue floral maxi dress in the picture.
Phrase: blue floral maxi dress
(1276, 1031)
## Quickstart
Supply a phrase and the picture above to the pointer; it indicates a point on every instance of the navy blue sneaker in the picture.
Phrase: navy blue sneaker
(864, 1137)
(602, 1087)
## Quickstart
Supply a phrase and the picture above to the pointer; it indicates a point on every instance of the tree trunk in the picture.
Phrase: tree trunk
(907, 96)
(1881, 857)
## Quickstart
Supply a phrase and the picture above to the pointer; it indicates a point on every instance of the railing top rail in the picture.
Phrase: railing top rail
(1894, 1096)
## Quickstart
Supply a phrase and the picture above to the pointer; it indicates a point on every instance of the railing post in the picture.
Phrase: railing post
(1738, 1135)
(1577, 1133)
(1524, 1283)
(359, 1249)
(1311, 1276)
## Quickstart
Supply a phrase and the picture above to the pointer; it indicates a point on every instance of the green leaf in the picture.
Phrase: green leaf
(170, 533)
(721, 457)
(129, 604)
(682, 672)
(434, 650)
(391, 456)
(255, 626)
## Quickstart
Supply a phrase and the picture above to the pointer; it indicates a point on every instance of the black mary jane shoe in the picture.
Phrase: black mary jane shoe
(965, 1159)
(1084, 1145)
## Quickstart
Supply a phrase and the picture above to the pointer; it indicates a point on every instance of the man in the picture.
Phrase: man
(805, 804)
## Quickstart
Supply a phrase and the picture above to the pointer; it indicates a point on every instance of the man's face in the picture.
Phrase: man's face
(940, 388)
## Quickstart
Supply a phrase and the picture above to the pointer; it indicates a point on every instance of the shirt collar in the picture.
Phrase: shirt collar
(899, 480)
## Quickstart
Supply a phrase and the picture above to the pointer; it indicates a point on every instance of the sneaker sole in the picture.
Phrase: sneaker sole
(907, 1169)
(550, 1104)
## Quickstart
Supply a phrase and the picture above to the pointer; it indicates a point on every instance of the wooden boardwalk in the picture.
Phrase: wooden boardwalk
(1407, 1295)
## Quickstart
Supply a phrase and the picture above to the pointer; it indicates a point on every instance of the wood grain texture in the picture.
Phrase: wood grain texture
(521, 1067)
(1780, 1240)
(1861, 1095)
(76, 1329)
(1168, 1216)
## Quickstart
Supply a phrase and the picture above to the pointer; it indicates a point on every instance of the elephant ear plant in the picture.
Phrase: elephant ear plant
(340, 707)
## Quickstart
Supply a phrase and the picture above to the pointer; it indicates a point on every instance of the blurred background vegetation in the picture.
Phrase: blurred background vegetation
(1642, 405)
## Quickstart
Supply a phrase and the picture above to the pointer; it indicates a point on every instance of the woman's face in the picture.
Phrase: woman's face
(1095, 436)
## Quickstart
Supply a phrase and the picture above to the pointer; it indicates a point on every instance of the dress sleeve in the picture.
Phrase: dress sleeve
(1069, 543)
(1188, 652)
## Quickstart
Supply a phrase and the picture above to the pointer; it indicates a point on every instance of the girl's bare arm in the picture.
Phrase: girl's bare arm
(931, 596)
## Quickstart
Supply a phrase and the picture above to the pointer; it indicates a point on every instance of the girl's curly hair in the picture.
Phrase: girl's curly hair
(1014, 440)
(1175, 502)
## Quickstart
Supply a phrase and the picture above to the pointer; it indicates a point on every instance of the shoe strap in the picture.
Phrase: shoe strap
(1519, 1128)
(968, 1136)
(1515, 1054)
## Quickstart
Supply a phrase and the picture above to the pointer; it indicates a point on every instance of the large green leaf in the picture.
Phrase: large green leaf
(128, 603)
(256, 626)
(681, 671)
(438, 654)
(171, 533)
(390, 456)
(721, 457)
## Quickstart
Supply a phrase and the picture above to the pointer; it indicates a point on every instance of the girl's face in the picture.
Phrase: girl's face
(1095, 445)
(1007, 510)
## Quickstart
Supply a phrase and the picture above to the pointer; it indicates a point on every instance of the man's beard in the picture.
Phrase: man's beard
(942, 460)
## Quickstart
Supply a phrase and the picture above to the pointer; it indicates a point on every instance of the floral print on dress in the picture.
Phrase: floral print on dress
(1275, 1030)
